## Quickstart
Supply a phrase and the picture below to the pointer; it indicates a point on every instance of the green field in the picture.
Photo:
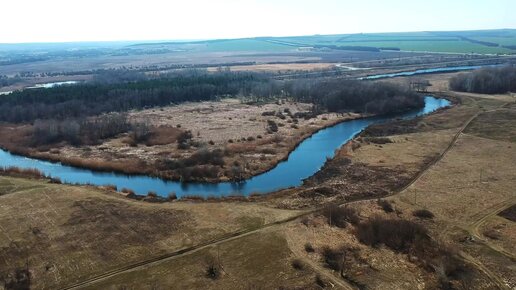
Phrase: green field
(246, 45)
(419, 41)
(451, 42)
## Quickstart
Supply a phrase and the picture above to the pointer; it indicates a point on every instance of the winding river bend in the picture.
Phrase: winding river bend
(425, 71)
(303, 162)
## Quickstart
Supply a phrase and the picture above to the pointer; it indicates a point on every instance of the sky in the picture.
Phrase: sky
(110, 20)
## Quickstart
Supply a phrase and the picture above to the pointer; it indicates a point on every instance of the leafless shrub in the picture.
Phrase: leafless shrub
(272, 127)
(309, 248)
(268, 113)
(385, 205)
(333, 258)
(423, 214)
(340, 216)
(320, 282)
(19, 280)
(171, 196)
(183, 141)
(127, 191)
(298, 264)
(213, 267)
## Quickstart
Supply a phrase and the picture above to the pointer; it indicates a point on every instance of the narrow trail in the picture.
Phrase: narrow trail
(479, 266)
(474, 228)
(179, 253)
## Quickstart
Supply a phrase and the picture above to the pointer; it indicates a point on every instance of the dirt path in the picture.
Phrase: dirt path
(473, 228)
(492, 276)
(169, 256)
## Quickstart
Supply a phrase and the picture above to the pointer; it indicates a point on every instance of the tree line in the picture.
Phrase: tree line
(336, 95)
(121, 92)
(486, 81)
(96, 98)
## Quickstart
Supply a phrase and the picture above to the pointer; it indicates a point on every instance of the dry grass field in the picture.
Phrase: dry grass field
(69, 233)
(380, 268)
(281, 67)
(258, 261)
(464, 176)
(469, 187)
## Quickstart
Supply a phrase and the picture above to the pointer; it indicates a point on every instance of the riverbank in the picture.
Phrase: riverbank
(251, 140)
(303, 163)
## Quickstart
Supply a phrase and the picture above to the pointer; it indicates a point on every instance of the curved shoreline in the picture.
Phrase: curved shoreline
(151, 173)
(306, 158)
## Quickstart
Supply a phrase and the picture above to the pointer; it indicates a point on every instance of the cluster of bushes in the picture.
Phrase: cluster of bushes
(272, 127)
(341, 259)
(185, 140)
(20, 279)
(398, 235)
(84, 131)
(340, 216)
(423, 214)
(335, 258)
(486, 81)
(202, 164)
(412, 238)
(13, 170)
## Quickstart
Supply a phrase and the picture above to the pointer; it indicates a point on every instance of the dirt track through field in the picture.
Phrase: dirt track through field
(473, 229)
(172, 255)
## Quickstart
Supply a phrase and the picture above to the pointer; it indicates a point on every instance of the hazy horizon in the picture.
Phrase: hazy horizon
(158, 20)
(258, 36)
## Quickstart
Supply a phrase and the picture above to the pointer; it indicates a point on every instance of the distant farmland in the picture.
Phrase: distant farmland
(485, 41)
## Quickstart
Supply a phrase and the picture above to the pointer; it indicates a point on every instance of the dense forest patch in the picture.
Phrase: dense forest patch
(486, 81)
(121, 91)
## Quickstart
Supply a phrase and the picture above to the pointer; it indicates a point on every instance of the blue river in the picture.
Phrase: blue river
(303, 162)
(425, 71)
